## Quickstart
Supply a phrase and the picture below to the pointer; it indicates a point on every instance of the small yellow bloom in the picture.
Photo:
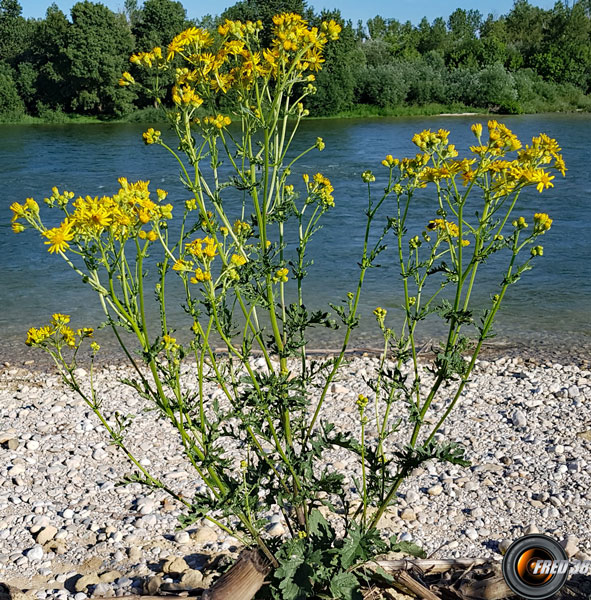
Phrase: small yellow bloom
(58, 237)
(537, 251)
(126, 79)
(281, 275)
(542, 222)
(520, 223)
(95, 347)
(477, 129)
(368, 176)
(237, 260)
(361, 402)
(320, 144)
(151, 136)
(200, 275)
(169, 341)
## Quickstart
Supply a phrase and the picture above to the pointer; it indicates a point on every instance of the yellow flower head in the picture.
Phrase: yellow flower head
(281, 275)
(237, 260)
(520, 223)
(58, 237)
(200, 276)
(151, 136)
(477, 129)
(361, 402)
(126, 79)
(542, 222)
(169, 342)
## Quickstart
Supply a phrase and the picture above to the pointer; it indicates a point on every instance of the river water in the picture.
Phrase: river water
(550, 306)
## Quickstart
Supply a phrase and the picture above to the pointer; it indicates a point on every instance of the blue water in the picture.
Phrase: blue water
(549, 305)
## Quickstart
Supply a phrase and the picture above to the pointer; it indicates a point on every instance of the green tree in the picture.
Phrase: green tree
(11, 105)
(157, 23)
(336, 82)
(98, 47)
(53, 84)
(13, 31)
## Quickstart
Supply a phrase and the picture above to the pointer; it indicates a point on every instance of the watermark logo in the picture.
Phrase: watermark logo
(536, 567)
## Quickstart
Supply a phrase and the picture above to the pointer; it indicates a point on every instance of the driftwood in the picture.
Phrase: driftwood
(428, 566)
(418, 589)
(242, 581)
(491, 588)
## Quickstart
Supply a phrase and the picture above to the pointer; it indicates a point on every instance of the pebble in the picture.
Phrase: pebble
(34, 553)
(134, 553)
(408, 514)
(204, 535)
(519, 419)
(175, 564)
(275, 530)
(182, 537)
(46, 534)
(435, 490)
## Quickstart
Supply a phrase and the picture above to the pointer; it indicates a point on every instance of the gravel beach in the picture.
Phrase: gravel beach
(67, 532)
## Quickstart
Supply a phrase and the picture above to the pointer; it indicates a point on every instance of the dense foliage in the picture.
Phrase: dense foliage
(526, 61)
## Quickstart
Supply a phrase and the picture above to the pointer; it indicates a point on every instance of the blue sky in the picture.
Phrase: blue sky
(402, 10)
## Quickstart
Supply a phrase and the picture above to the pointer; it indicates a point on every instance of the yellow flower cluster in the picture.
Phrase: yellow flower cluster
(361, 402)
(219, 121)
(151, 136)
(542, 222)
(29, 211)
(429, 141)
(505, 176)
(281, 275)
(520, 223)
(204, 250)
(145, 59)
(120, 215)
(236, 59)
(321, 188)
(241, 228)
(448, 228)
(58, 332)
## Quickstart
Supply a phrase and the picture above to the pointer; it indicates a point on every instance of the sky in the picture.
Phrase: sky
(403, 10)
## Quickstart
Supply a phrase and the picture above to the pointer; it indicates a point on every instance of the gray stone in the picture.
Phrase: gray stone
(34, 553)
(408, 514)
(182, 537)
(175, 564)
(570, 545)
(531, 528)
(109, 576)
(275, 529)
(103, 590)
(519, 419)
(192, 579)
(134, 553)
(204, 534)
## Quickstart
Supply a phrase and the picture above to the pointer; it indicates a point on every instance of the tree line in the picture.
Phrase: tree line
(528, 60)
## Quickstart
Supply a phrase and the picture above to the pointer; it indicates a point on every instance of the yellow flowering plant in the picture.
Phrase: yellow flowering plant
(236, 274)
(476, 200)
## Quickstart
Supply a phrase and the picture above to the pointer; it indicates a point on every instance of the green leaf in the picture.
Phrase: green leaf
(407, 548)
(345, 586)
